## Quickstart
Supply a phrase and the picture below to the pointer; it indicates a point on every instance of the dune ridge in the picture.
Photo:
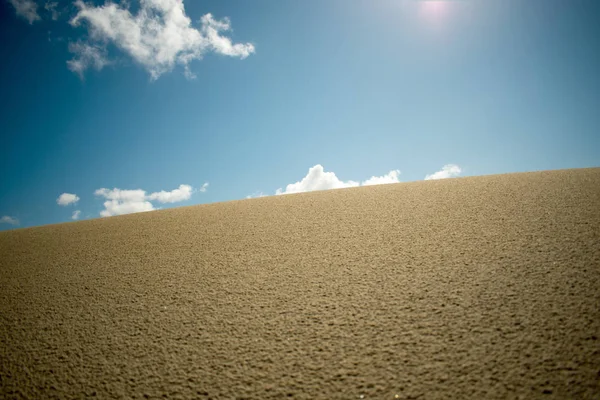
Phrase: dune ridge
(478, 287)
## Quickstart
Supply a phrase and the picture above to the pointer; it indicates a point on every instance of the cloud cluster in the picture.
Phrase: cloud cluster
(9, 220)
(158, 37)
(67, 198)
(26, 9)
(447, 171)
(120, 201)
(318, 179)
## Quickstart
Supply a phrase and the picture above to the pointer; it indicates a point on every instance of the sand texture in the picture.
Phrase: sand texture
(479, 287)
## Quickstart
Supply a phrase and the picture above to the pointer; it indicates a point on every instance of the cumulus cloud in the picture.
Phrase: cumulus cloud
(26, 9)
(120, 201)
(160, 35)
(9, 220)
(76, 214)
(184, 192)
(390, 177)
(116, 207)
(86, 56)
(318, 179)
(67, 198)
(447, 171)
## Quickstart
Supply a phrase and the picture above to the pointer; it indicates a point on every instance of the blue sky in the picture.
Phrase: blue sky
(119, 105)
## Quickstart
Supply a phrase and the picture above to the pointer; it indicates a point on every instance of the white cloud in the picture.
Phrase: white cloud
(122, 195)
(85, 56)
(123, 201)
(447, 171)
(184, 192)
(9, 220)
(204, 187)
(120, 201)
(316, 179)
(160, 35)
(116, 207)
(26, 9)
(50, 6)
(76, 214)
(255, 195)
(67, 198)
(390, 177)
(222, 44)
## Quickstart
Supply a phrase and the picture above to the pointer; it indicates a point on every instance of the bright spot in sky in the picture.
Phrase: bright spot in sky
(434, 10)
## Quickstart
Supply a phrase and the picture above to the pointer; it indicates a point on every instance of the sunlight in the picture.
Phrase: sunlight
(434, 10)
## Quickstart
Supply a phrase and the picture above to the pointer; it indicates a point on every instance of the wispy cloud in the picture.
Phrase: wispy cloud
(204, 187)
(447, 171)
(318, 179)
(26, 9)
(255, 195)
(9, 220)
(50, 7)
(86, 56)
(76, 214)
(120, 201)
(67, 198)
(158, 37)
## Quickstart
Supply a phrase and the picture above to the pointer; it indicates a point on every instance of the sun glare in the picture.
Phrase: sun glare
(434, 10)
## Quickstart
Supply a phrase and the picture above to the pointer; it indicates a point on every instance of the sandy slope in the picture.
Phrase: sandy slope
(484, 287)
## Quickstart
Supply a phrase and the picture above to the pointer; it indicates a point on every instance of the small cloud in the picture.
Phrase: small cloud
(52, 38)
(255, 195)
(85, 56)
(318, 179)
(50, 6)
(26, 9)
(184, 192)
(390, 177)
(159, 37)
(119, 202)
(76, 214)
(67, 198)
(447, 171)
(9, 220)
(204, 187)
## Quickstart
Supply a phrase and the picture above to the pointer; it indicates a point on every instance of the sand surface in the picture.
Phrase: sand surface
(479, 287)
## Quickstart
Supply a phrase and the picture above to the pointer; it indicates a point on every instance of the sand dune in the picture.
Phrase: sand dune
(482, 287)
